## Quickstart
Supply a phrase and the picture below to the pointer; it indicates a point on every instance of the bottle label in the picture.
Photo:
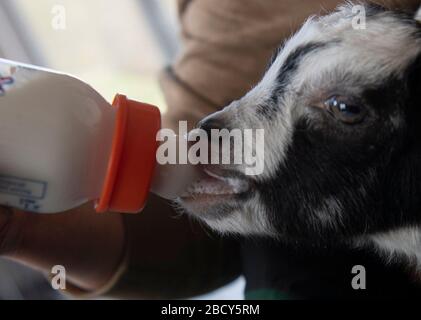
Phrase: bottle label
(25, 194)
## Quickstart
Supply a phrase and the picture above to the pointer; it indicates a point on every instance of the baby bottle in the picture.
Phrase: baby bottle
(62, 144)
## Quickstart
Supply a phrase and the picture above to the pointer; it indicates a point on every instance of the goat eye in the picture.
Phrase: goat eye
(345, 111)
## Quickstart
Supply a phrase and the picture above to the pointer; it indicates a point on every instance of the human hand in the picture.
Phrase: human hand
(88, 244)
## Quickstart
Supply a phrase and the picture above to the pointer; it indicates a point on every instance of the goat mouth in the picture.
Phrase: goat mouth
(216, 187)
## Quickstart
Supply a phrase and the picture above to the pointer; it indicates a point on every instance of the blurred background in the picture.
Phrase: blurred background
(117, 47)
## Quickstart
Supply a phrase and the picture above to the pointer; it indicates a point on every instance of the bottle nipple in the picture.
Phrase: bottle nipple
(172, 180)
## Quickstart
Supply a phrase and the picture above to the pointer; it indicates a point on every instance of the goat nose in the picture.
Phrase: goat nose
(210, 123)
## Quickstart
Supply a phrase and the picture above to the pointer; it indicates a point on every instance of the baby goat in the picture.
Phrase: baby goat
(341, 110)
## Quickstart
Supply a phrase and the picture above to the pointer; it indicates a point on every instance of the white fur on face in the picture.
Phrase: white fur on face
(245, 222)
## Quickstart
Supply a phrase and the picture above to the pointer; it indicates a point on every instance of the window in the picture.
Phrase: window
(116, 46)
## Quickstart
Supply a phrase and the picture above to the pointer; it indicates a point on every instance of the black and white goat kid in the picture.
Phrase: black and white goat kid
(341, 110)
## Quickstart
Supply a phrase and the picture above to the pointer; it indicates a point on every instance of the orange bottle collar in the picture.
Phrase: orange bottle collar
(133, 157)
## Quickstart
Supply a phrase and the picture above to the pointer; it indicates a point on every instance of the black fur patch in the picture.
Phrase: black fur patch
(287, 70)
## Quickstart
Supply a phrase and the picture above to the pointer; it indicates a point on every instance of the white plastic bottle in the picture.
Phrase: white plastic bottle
(62, 144)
